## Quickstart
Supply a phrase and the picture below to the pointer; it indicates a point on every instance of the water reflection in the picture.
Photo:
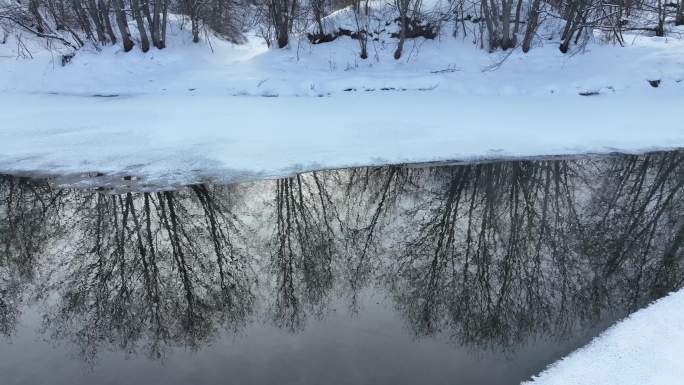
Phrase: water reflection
(489, 255)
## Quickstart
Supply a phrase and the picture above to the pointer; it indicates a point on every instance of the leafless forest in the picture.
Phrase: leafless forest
(492, 24)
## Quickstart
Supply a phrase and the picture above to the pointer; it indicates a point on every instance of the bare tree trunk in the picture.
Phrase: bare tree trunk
(35, 12)
(95, 16)
(532, 23)
(137, 15)
(495, 18)
(506, 40)
(155, 31)
(165, 16)
(516, 29)
(487, 15)
(192, 9)
(145, 4)
(317, 7)
(660, 28)
(293, 12)
(570, 29)
(123, 25)
(402, 6)
(59, 20)
(104, 14)
(362, 28)
(679, 20)
(82, 18)
(282, 18)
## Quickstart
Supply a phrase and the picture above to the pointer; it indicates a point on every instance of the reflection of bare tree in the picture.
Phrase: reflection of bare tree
(27, 212)
(491, 254)
(159, 268)
(487, 256)
(636, 236)
(371, 198)
(304, 245)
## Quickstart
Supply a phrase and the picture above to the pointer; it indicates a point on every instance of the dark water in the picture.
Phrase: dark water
(469, 274)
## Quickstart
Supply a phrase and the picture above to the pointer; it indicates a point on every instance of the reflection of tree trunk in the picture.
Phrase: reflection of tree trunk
(178, 255)
(491, 253)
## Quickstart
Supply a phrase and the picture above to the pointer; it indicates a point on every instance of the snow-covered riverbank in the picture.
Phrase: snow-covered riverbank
(643, 349)
(244, 111)
(181, 138)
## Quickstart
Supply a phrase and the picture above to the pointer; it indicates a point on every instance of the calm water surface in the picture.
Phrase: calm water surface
(469, 274)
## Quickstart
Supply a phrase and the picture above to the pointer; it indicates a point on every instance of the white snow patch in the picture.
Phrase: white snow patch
(448, 64)
(645, 348)
(183, 137)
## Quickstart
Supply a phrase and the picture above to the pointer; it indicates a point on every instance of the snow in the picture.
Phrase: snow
(184, 137)
(645, 348)
(237, 112)
(453, 65)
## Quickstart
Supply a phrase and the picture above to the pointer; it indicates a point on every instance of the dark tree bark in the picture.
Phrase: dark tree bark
(155, 30)
(34, 6)
(281, 14)
(192, 8)
(82, 18)
(489, 23)
(104, 14)
(403, 9)
(138, 16)
(532, 23)
(573, 23)
(122, 22)
(361, 15)
(165, 15)
(516, 28)
(506, 40)
(97, 20)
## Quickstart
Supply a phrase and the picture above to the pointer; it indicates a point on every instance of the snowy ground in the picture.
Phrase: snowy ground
(181, 138)
(646, 348)
(452, 65)
(234, 112)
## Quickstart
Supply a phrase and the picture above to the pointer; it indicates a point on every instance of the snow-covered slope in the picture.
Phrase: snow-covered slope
(447, 64)
(231, 111)
(645, 348)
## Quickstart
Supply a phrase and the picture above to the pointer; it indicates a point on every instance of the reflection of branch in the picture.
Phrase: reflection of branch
(467, 264)
(140, 272)
(304, 247)
(491, 254)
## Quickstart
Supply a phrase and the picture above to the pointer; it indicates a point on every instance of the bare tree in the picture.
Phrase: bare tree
(138, 16)
(281, 17)
(408, 10)
(362, 11)
(532, 25)
(122, 22)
